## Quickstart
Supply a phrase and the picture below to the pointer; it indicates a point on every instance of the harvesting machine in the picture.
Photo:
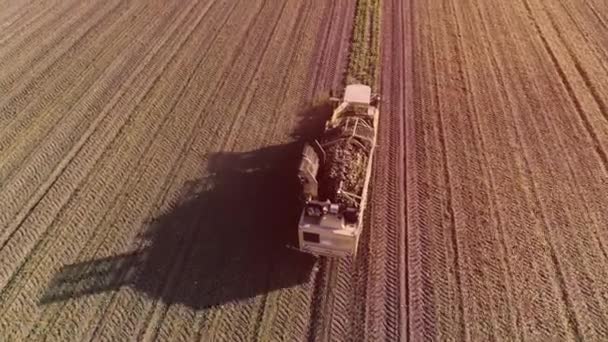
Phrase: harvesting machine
(334, 174)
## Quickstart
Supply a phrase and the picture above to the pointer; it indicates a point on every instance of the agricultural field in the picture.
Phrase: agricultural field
(146, 153)
(507, 171)
(148, 148)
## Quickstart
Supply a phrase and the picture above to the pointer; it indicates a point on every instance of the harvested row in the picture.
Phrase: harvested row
(74, 229)
(331, 72)
(63, 127)
(130, 210)
(507, 172)
(147, 167)
(365, 300)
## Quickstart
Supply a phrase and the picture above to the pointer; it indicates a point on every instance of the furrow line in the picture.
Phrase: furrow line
(230, 316)
(382, 256)
(408, 142)
(587, 79)
(242, 316)
(132, 213)
(205, 123)
(116, 127)
(573, 322)
(31, 26)
(516, 321)
(22, 17)
(573, 318)
(21, 98)
(318, 69)
(574, 178)
(104, 234)
(142, 246)
(471, 208)
(597, 14)
(69, 32)
(165, 201)
(64, 139)
(268, 327)
(325, 291)
(418, 239)
(436, 299)
(132, 137)
(312, 291)
(463, 332)
(524, 215)
(601, 153)
(597, 43)
(396, 320)
(581, 278)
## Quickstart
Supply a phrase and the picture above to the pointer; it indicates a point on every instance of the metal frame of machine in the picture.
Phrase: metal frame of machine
(333, 229)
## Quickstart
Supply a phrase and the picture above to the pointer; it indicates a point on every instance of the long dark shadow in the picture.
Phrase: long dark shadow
(225, 240)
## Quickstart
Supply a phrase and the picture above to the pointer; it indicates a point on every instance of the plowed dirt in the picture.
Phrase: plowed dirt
(507, 183)
(148, 151)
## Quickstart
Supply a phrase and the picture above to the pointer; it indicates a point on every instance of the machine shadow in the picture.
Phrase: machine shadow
(224, 241)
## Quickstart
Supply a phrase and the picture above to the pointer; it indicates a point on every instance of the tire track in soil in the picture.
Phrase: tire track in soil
(261, 323)
(73, 239)
(94, 245)
(22, 17)
(224, 313)
(588, 191)
(133, 213)
(34, 113)
(530, 149)
(192, 167)
(524, 211)
(90, 213)
(70, 165)
(277, 301)
(319, 69)
(331, 76)
(491, 288)
(46, 83)
(67, 32)
(602, 20)
(324, 78)
(67, 129)
(586, 25)
(75, 170)
(576, 253)
(478, 104)
(430, 238)
(336, 277)
(589, 124)
(103, 309)
(495, 279)
(592, 118)
(63, 140)
(33, 110)
(216, 316)
(33, 22)
(12, 10)
(585, 61)
(550, 128)
(271, 303)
